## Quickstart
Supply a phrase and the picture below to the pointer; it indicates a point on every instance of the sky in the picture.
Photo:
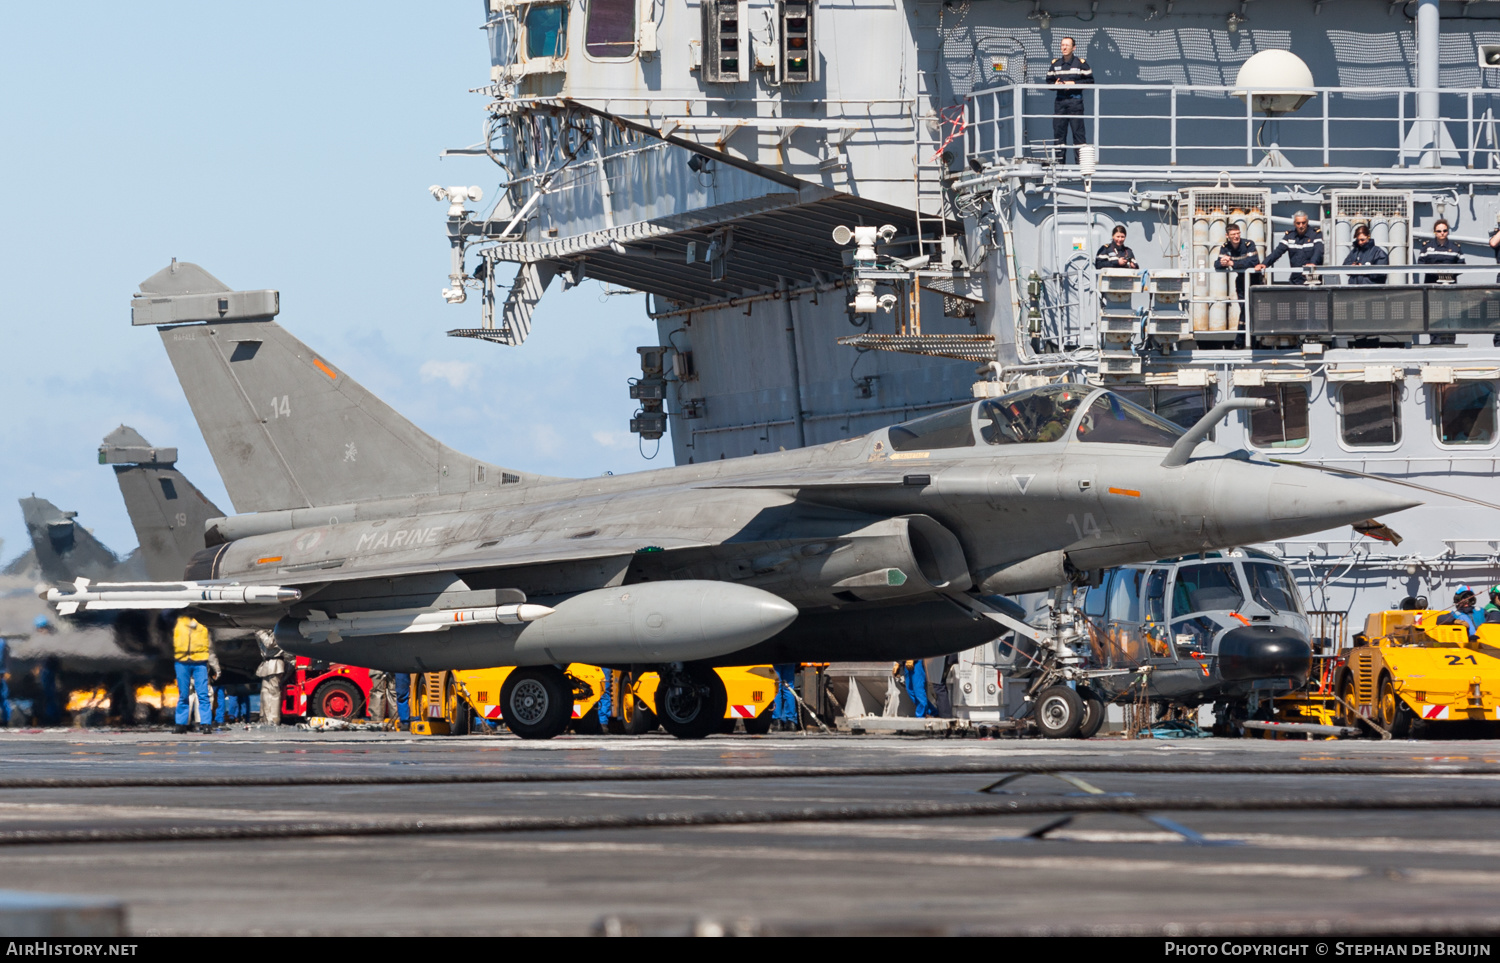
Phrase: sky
(278, 145)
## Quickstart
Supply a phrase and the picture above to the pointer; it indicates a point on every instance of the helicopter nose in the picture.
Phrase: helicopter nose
(1264, 652)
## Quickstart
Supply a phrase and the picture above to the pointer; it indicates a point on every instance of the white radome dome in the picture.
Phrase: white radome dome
(1277, 81)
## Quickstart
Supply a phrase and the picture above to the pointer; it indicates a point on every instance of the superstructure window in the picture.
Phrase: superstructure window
(1371, 415)
(1181, 406)
(1284, 424)
(611, 29)
(1466, 413)
(946, 429)
(1115, 421)
(547, 30)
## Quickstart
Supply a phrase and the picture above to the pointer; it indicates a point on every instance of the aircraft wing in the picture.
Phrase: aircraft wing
(522, 551)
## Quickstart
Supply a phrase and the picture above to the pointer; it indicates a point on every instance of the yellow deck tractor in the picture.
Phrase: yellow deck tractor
(439, 699)
(1406, 672)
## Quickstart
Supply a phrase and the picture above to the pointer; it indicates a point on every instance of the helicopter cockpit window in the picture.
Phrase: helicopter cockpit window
(1115, 421)
(946, 429)
(1271, 586)
(1025, 417)
(1125, 595)
(1201, 588)
(1156, 596)
(1093, 599)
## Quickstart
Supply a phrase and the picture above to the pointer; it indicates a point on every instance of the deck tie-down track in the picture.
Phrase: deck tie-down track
(1034, 805)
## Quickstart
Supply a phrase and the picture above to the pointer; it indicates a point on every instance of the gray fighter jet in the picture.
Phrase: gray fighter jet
(368, 542)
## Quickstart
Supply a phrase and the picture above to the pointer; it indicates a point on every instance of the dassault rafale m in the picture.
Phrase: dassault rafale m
(363, 540)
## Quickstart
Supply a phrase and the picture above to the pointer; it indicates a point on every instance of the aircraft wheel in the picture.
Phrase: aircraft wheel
(1393, 712)
(1093, 714)
(1059, 712)
(337, 700)
(536, 701)
(760, 725)
(691, 706)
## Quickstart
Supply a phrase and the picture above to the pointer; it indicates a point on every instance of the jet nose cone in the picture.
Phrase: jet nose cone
(1336, 499)
(1264, 652)
(1255, 502)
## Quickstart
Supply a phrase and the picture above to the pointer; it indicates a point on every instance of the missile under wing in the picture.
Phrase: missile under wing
(880, 546)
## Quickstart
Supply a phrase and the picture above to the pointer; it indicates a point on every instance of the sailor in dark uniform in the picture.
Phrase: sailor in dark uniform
(1364, 251)
(1116, 254)
(1303, 246)
(1440, 250)
(1238, 255)
(1066, 73)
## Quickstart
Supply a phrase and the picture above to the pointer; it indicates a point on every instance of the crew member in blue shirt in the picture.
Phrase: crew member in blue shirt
(1066, 73)
(1440, 250)
(1364, 251)
(1303, 246)
(1463, 611)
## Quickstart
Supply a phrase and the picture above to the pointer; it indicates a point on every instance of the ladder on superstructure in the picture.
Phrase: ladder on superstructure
(931, 198)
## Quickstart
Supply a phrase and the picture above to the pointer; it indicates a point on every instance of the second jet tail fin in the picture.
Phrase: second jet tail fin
(167, 511)
(287, 428)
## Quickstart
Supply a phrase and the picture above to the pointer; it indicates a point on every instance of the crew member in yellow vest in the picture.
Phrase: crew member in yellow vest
(192, 652)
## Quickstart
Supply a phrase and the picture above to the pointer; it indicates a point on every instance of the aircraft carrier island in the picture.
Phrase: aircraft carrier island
(1082, 426)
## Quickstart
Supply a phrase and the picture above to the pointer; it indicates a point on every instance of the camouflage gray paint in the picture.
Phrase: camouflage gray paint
(363, 512)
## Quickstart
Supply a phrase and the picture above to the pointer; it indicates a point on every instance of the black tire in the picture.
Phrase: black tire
(1391, 708)
(1343, 687)
(1059, 712)
(1093, 714)
(760, 725)
(693, 710)
(639, 720)
(463, 718)
(536, 701)
(337, 699)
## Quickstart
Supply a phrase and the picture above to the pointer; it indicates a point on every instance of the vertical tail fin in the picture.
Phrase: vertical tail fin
(287, 428)
(65, 550)
(167, 511)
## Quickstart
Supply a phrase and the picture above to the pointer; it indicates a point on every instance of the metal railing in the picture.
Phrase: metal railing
(1142, 125)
